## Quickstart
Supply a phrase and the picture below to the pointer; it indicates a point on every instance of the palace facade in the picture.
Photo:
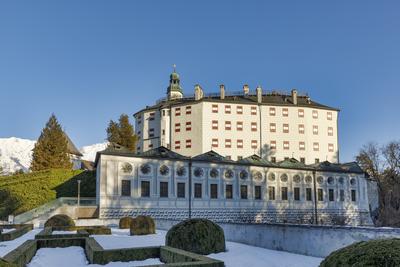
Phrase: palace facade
(168, 185)
(275, 126)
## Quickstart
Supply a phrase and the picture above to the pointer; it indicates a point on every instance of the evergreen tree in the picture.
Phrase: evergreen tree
(122, 133)
(51, 149)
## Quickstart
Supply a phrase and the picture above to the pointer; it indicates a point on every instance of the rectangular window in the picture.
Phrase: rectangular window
(303, 160)
(181, 190)
(239, 157)
(177, 111)
(188, 126)
(151, 132)
(163, 132)
(228, 191)
(272, 145)
(228, 125)
(273, 159)
(126, 188)
(228, 143)
(239, 143)
(308, 194)
(341, 195)
(239, 110)
(301, 113)
(315, 114)
(301, 128)
(320, 194)
(253, 144)
(330, 131)
(163, 189)
(272, 127)
(285, 128)
(243, 191)
(177, 127)
(284, 193)
(296, 192)
(198, 190)
(353, 195)
(316, 146)
(177, 144)
(145, 189)
(150, 146)
(253, 110)
(227, 109)
(302, 146)
(271, 192)
(285, 112)
(188, 143)
(329, 115)
(214, 142)
(151, 116)
(316, 160)
(213, 191)
(214, 108)
(286, 145)
(272, 111)
(330, 148)
(254, 126)
(239, 126)
(315, 129)
(214, 125)
(188, 110)
(331, 194)
(257, 192)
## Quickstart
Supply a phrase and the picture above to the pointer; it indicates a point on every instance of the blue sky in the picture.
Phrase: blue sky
(89, 61)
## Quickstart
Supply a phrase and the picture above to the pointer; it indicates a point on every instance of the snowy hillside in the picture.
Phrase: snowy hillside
(16, 153)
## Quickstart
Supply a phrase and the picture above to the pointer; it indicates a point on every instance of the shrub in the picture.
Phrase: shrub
(125, 223)
(379, 252)
(97, 230)
(142, 225)
(59, 220)
(200, 236)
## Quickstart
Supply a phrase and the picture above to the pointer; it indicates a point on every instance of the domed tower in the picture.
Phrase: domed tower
(174, 90)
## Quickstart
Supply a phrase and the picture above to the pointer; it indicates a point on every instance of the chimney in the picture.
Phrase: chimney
(259, 94)
(198, 92)
(246, 89)
(222, 91)
(294, 96)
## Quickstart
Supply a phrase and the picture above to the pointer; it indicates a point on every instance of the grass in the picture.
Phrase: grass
(22, 192)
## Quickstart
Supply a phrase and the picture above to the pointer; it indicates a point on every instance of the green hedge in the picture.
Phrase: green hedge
(23, 192)
(379, 252)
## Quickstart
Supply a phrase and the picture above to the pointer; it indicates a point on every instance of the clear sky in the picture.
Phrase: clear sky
(89, 61)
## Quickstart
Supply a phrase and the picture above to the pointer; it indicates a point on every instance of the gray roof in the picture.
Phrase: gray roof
(71, 147)
(214, 157)
(267, 99)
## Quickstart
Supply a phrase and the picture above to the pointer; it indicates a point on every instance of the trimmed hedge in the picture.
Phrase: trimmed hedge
(20, 229)
(200, 236)
(59, 220)
(23, 192)
(125, 223)
(142, 225)
(379, 252)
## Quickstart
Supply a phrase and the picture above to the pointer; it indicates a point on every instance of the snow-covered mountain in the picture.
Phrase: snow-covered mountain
(16, 153)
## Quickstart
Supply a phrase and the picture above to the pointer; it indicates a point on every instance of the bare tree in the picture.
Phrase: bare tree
(370, 160)
(391, 153)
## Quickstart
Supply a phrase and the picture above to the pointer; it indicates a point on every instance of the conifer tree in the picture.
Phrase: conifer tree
(51, 149)
(122, 133)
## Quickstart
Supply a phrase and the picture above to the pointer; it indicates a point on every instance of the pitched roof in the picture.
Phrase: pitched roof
(271, 98)
(335, 167)
(291, 163)
(71, 147)
(162, 152)
(256, 160)
(212, 156)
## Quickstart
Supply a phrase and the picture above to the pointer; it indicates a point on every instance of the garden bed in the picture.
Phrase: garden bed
(13, 231)
(72, 231)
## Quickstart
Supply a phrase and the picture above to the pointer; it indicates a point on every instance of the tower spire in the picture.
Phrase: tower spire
(174, 89)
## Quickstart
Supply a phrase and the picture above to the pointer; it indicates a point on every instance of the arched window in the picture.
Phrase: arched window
(353, 181)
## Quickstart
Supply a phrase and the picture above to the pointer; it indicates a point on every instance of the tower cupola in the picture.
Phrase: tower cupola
(174, 90)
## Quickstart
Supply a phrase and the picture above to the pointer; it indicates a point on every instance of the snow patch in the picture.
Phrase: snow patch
(89, 152)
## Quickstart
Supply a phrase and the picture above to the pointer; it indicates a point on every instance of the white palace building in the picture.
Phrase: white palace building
(245, 157)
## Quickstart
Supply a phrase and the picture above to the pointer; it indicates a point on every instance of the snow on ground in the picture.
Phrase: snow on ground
(7, 246)
(7, 230)
(75, 256)
(89, 152)
(239, 255)
(63, 232)
(120, 238)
